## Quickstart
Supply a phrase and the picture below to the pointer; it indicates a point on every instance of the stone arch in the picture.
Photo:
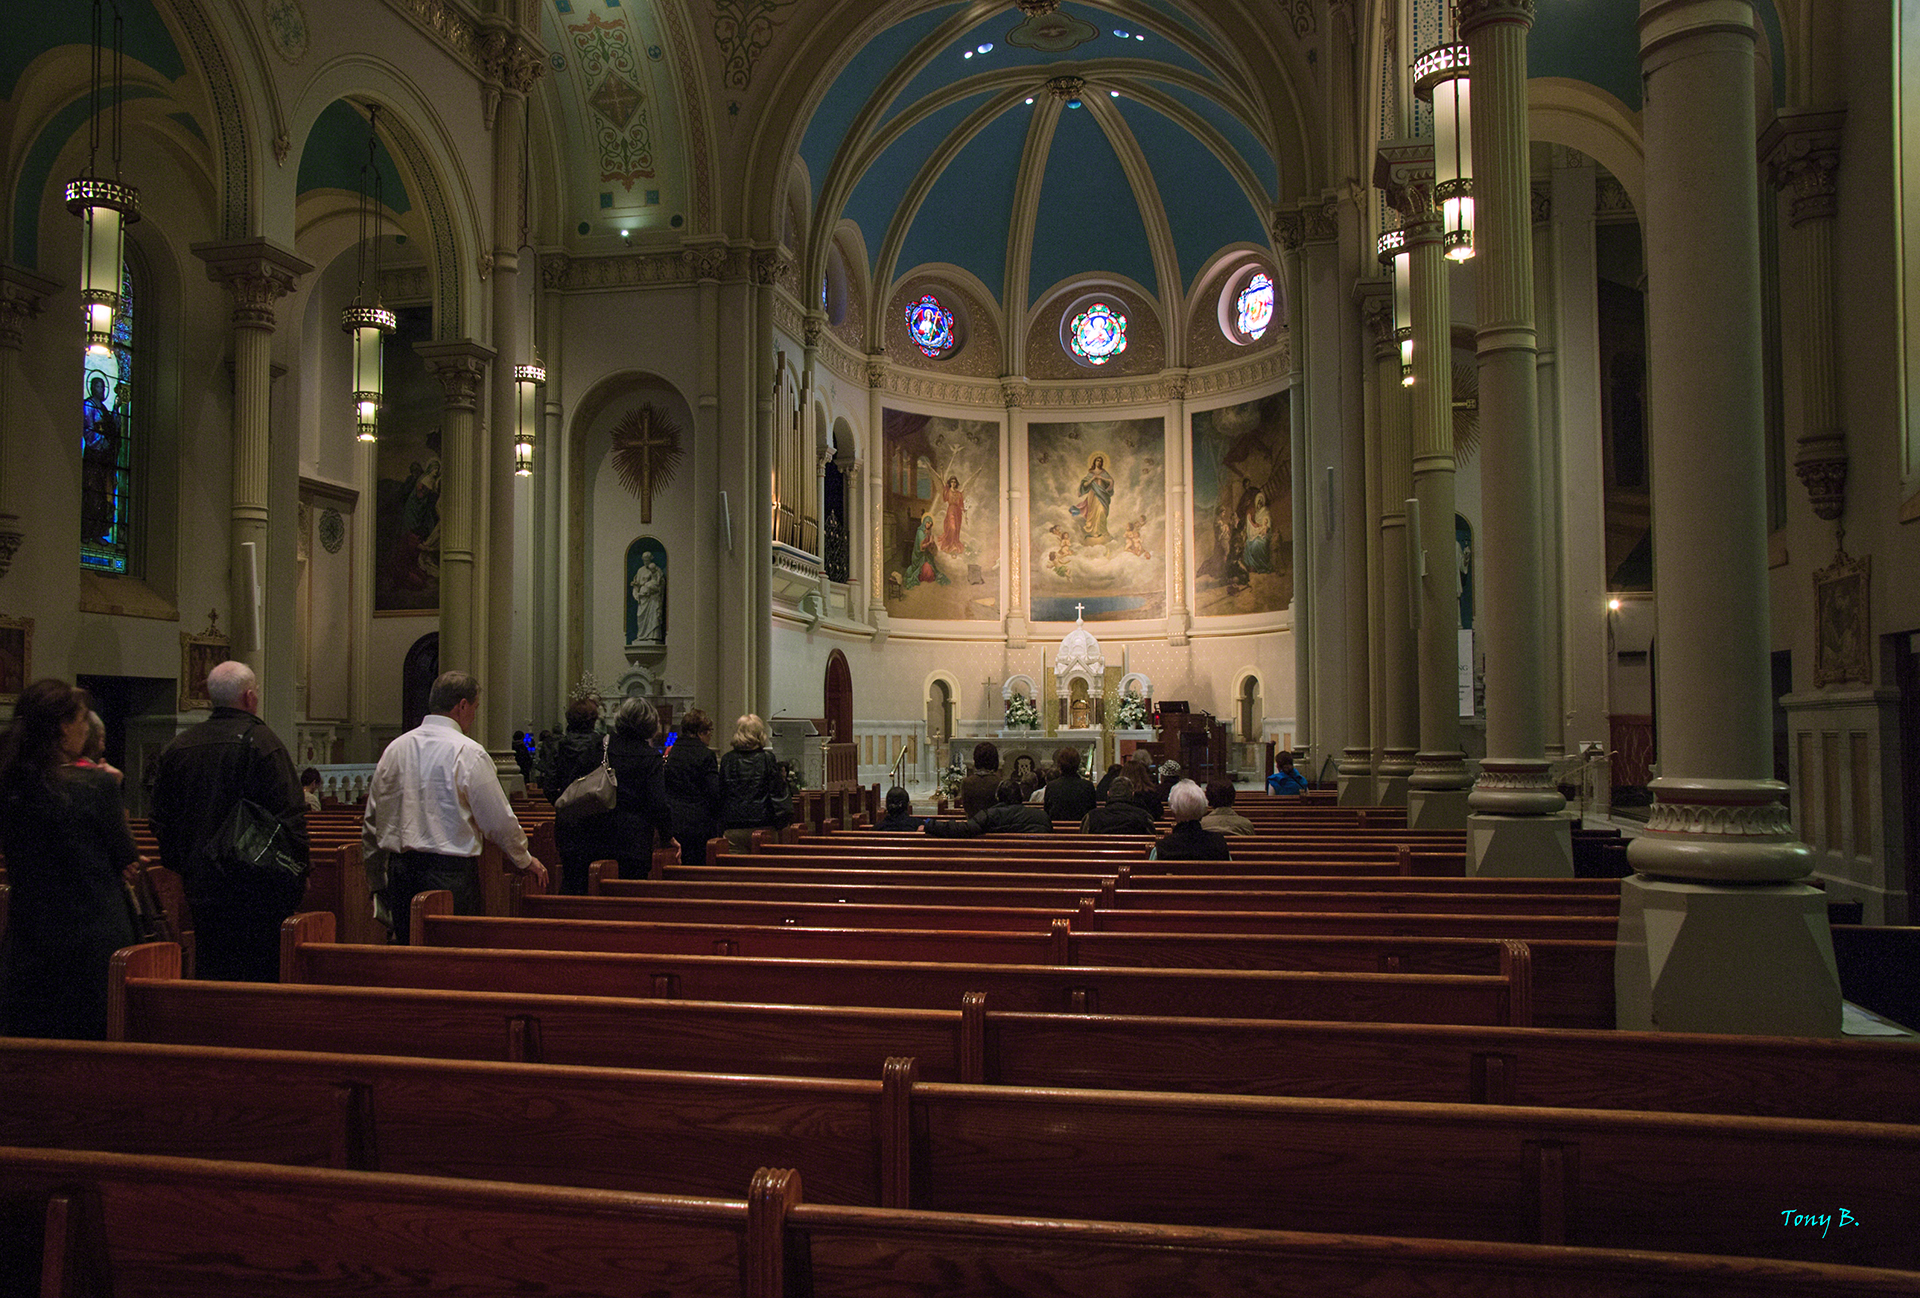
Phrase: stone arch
(1587, 118)
(1249, 703)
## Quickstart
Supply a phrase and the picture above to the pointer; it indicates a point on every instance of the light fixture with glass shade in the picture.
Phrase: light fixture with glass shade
(368, 322)
(1441, 76)
(1396, 256)
(105, 207)
(527, 382)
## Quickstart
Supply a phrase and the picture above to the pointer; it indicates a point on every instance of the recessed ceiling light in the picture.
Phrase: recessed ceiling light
(1138, 37)
(966, 54)
(1115, 94)
(987, 48)
(1122, 35)
(1029, 99)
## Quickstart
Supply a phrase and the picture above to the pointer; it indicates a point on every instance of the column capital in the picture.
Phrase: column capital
(1289, 228)
(510, 62)
(461, 367)
(1475, 14)
(257, 272)
(1013, 393)
(814, 325)
(1802, 151)
(1404, 169)
(877, 371)
(23, 296)
(1174, 385)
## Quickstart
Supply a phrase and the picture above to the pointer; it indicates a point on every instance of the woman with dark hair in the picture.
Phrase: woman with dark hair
(693, 786)
(752, 788)
(68, 848)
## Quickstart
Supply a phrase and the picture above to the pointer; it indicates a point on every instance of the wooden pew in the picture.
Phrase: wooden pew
(309, 955)
(1516, 1174)
(1601, 1069)
(144, 1225)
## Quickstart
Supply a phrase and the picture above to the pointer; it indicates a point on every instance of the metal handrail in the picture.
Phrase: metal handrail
(899, 770)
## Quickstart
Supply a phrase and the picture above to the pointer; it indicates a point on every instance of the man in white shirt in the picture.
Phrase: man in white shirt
(434, 795)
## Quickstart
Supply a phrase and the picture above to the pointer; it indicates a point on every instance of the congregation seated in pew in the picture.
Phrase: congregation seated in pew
(1009, 814)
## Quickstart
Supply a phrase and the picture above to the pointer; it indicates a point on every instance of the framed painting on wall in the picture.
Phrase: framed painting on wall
(1841, 625)
(16, 657)
(199, 655)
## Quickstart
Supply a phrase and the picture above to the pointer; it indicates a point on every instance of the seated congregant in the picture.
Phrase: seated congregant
(1121, 813)
(1222, 818)
(1068, 796)
(1188, 841)
(900, 818)
(1284, 778)
(978, 790)
(1009, 814)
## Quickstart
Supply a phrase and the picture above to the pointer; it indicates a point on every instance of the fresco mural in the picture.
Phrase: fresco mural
(406, 573)
(941, 517)
(1243, 508)
(1098, 519)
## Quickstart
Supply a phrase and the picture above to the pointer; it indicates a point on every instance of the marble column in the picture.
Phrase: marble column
(257, 273)
(1803, 155)
(461, 368)
(1174, 390)
(1289, 231)
(23, 296)
(511, 61)
(1437, 789)
(1399, 680)
(1718, 933)
(1013, 392)
(877, 499)
(1517, 823)
(1349, 510)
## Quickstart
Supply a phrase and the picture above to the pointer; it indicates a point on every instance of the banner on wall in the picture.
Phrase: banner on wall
(1097, 519)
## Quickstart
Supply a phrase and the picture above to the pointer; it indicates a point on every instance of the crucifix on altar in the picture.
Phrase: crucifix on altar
(646, 453)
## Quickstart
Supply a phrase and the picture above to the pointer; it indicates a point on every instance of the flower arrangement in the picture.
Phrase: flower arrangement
(1022, 713)
(1132, 712)
(950, 781)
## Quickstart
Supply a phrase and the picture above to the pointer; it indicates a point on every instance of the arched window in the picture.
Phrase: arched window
(1254, 306)
(107, 435)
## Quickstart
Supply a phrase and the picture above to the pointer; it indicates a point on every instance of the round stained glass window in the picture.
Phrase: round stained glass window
(1256, 306)
(1098, 334)
(930, 325)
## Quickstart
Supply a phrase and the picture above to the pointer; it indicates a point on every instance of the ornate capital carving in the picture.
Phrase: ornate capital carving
(23, 296)
(509, 63)
(10, 538)
(1290, 229)
(1013, 393)
(1322, 220)
(1822, 466)
(1803, 153)
(1542, 199)
(1377, 310)
(1174, 384)
(769, 266)
(876, 371)
(812, 327)
(1065, 88)
(708, 261)
(461, 368)
(553, 270)
(256, 272)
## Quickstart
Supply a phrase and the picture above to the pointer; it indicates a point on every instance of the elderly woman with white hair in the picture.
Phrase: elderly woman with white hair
(1187, 841)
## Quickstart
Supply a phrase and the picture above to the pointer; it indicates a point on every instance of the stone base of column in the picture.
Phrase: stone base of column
(1436, 808)
(1390, 777)
(1355, 780)
(1750, 958)
(1520, 847)
(1016, 631)
(1177, 628)
(881, 624)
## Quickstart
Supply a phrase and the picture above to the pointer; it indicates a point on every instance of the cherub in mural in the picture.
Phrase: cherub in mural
(1136, 544)
(1096, 498)
(1061, 538)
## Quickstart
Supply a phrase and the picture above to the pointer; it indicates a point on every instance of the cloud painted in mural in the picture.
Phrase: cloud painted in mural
(1243, 508)
(941, 517)
(1097, 519)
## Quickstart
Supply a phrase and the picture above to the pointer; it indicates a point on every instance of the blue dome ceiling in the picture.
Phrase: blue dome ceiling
(943, 141)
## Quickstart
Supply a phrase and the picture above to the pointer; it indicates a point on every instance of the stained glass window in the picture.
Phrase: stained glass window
(931, 326)
(1098, 334)
(106, 443)
(1256, 306)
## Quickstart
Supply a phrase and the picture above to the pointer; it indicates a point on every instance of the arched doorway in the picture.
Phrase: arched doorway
(839, 698)
(416, 679)
(1249, 708)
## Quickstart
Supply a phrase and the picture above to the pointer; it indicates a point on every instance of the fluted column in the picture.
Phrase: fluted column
(1716, 932)
(1353, 366)
(1174, 389)
(1516, 825)
(257, 273)
(1804, 156)
(511, 61)
(22, 297)
(1437, 789)
(462, 370)
(1399, 652)
(1289, 231)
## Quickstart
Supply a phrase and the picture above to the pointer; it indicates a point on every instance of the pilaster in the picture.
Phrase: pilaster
(23, 296)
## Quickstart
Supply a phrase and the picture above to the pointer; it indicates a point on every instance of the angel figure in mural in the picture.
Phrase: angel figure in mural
(1136, 544)
(1095, 498)
(649, 589)
(954, 497)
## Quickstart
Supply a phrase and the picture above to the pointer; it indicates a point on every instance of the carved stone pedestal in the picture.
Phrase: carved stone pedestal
(1753, 958)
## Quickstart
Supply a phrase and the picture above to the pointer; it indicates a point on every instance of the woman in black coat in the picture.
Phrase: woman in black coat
(752, 787)
(641, 815)
(574, 754)
(1188, 841)
(65, 834)
(693, 786)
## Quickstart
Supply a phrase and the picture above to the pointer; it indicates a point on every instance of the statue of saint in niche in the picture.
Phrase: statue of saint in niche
(649, 591)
